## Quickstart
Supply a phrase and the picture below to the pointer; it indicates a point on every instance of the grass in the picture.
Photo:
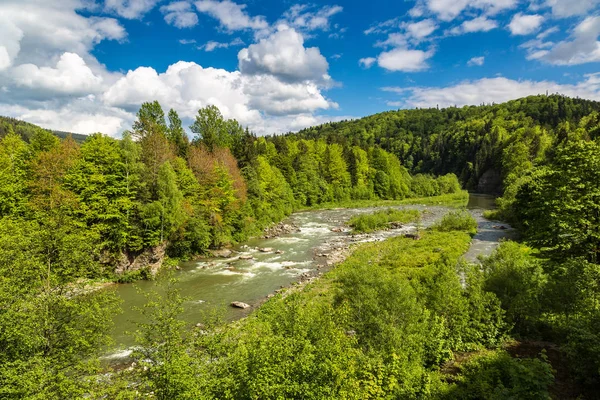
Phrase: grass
(455, 200)
(381, 219)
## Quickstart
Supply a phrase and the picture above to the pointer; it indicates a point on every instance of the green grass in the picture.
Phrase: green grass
(380, 220)
(455, 200)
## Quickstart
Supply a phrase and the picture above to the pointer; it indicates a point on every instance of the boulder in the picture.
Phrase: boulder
(222, 253)
(265, 249)
(151, 258)
(246, 257)
(239, 304)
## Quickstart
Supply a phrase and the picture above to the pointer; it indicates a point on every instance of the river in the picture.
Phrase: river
(216, 282)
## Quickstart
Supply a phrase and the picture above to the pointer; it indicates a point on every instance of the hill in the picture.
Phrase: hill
(26, 130)
(470, 141)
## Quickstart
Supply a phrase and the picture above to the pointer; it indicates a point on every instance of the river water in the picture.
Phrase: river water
(216, 282)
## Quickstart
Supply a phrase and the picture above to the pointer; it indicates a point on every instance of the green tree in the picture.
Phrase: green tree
(210, 128)
(177, 135)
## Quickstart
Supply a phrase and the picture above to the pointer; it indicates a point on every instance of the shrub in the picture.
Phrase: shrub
(496, 375)
(457, 221)
(381, 219)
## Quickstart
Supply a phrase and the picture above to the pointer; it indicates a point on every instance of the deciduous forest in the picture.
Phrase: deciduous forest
(402, 318)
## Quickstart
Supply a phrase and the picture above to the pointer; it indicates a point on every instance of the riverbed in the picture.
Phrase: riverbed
(322, 240)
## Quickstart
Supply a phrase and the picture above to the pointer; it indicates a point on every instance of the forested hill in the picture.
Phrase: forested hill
(474, 142)
(26, 130)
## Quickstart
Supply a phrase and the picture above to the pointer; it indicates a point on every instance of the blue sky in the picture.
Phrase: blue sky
(87, 65)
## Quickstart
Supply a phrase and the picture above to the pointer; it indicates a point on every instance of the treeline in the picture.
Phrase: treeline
(157, 187)
(473, 142)
(542, 154)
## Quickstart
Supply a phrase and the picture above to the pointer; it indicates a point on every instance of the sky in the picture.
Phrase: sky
(86, 66)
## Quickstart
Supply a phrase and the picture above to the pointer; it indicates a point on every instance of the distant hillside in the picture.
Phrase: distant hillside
(468, 141)
(26, 129)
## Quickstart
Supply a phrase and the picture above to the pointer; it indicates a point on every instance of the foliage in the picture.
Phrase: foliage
(381, 219)
(496, 375)
(559, 206)
(457, 221)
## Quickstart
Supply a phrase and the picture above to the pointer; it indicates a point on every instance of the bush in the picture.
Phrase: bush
(424, 186)
(519, 281)
(496, 375)
(448, 184)
(381, 219)
(457, 221)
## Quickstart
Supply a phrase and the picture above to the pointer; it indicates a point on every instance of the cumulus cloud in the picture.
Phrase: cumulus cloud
(84, 115)
(187, 86)
(404, 60)
(525, 24)
(479, 61)
(583, 46)
(490, 90)
(49, 76)
(71, 76)
(231, 16)
(180, 14)
(283, 54)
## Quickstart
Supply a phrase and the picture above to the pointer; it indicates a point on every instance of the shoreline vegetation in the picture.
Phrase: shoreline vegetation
(343, 332)
(402, 318)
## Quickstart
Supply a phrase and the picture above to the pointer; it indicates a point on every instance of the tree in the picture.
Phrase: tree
(177, 135)
(559, 207)
(170, 199)
(210, 128)
(150, 121)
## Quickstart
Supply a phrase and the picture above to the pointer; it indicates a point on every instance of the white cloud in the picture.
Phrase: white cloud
(490, 90)
(253, 100)
(231, 16)
(404, 60)
(212, 45)
(479, 24)
(187, 41)
(367, 62)
(447, 10)
(37, 31)
(49, 76)
(525, 24)
(71, 76)
(283, 54)
(421, 29)
(583, 47)
(130, 9)
(304, 18)
(274, 97)
(479, 61)
(570, 8)
(83, 115)
(179, 14)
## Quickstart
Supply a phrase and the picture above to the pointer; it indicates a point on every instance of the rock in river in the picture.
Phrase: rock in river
(239, 304)
(265, 249)
(246, 257)
(223, 253)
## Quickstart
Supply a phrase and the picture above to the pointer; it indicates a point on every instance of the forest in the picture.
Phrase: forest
(383, 324)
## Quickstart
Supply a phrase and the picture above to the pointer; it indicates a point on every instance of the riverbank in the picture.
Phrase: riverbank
(380, 324)
(213, 283)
